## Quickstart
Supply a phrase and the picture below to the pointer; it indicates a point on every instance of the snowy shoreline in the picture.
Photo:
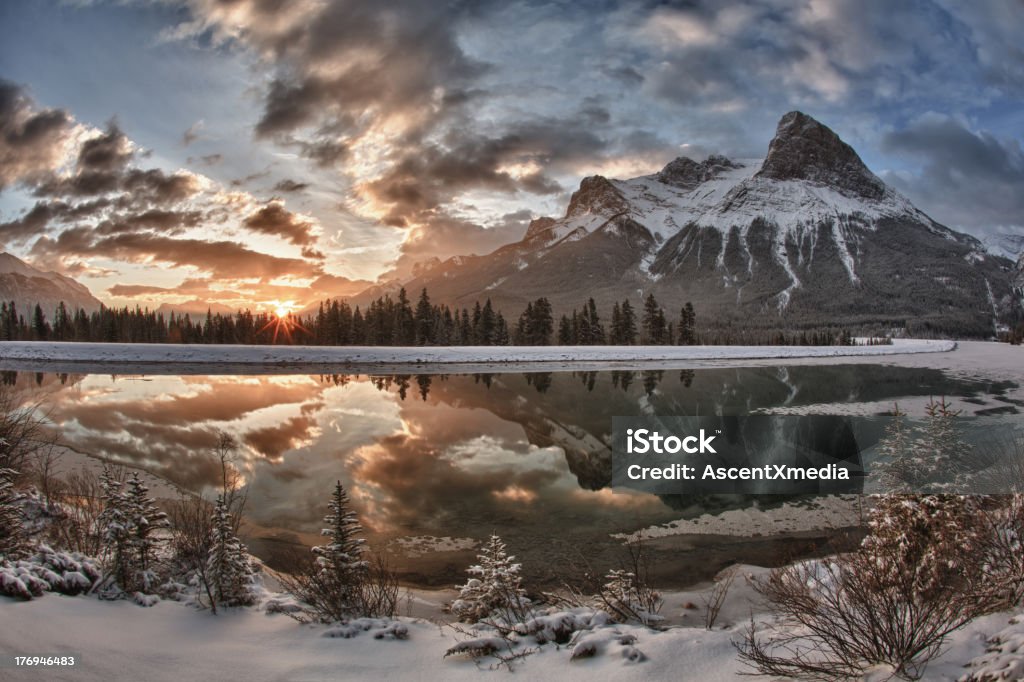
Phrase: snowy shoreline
(179, 358)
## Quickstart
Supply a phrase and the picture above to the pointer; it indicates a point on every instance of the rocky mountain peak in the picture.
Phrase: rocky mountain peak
(538, 226)
(688, 174)
(596, 195)
(805, 149)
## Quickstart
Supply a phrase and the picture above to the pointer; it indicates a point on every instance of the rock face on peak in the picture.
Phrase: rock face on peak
(596, 195)
(806, 237)
(537, 227)
(804, 149)
(687, 174)
(28, 286)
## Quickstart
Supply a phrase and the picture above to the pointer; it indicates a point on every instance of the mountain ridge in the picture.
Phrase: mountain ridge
(28, 286)
(807, 236)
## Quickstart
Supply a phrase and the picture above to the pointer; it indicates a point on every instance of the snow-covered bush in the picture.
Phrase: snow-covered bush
(495, 592)
(48, 570)
(628, 599)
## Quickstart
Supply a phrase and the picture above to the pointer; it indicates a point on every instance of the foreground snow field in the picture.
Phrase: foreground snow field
(172, 641)
(54, 355)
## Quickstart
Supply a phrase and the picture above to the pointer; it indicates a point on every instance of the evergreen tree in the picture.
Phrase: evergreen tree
(628, 324)
(424, 320)
(116, 529)
(229, 572)
(655, 326)
(495, 588)
(542, 323)
(144, 520)
(687, 325)
(565, 336)
(39, 325)
(341, 565)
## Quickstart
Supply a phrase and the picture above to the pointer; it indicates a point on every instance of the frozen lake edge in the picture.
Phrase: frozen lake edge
(237, 359)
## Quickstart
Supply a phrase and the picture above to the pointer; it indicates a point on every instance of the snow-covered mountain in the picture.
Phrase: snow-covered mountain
(808, 234)
(27, 286)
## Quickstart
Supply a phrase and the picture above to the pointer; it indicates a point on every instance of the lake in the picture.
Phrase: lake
(436, 462)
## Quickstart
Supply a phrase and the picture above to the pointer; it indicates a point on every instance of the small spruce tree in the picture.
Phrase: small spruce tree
(144, 520)
(341, 562)
(116, 529)
(495, 591)
(229, 571)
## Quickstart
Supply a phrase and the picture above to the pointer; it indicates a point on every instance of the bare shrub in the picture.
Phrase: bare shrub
(22, 432)
(328, 600)
(715, 598)
(893, 601)
(627, 594)
(77, 527)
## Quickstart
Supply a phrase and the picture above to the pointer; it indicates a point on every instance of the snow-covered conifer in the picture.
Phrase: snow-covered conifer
(116, 530)
(495, 590)
(229, 571)
(144, 519)
(341, 560)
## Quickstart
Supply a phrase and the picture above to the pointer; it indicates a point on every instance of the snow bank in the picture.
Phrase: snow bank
(55, 356)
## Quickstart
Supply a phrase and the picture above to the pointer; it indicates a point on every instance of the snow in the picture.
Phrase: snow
(834, 512)
(172, 641)
(178, 358)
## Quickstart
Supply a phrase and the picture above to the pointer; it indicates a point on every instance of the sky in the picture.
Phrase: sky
(259, 152)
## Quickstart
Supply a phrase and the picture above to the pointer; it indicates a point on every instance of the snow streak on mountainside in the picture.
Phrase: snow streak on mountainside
(806, 236)
(27, 286)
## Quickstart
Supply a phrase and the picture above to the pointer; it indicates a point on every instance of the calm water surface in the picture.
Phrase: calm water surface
(459, 456)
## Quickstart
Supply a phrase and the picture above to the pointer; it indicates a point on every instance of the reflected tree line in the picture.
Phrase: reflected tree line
(420, 384)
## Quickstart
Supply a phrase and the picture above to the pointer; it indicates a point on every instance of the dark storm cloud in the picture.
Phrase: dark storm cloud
(967, 177)
(274, 219)
(31, 140)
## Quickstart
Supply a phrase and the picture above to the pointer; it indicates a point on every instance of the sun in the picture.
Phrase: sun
(283, 321)
(283, 308)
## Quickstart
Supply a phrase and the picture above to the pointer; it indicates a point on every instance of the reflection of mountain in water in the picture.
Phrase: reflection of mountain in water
(574, 410)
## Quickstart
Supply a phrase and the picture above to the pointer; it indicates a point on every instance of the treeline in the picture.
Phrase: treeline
(397, 321)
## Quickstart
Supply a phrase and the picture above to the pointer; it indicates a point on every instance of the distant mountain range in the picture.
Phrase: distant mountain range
(27, 286)
(806, 236)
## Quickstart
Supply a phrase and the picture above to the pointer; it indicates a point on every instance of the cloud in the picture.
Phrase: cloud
(192, 134)
(967, 178)
(287, 185)
(221, 259)
(275, 219)
(273, 441)
(32, 140)
(443, 235)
